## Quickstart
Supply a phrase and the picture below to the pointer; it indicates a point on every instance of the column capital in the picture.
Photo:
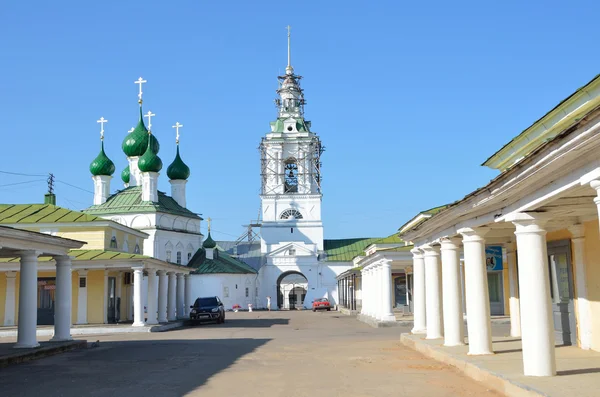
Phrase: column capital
(29, 254)
(11, 274)
(386, 263)
(430, 249)
(179, 275)
(450, 243)
(473, 233)
(595, 184)
(188, 275)
(150, 270)
(63, 260)
(577, 231)
(528, 222)
(417, 253)
(137, 269)
(161, 272)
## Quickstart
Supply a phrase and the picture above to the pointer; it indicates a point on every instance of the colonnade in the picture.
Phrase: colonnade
(438, 299)
(169, 299)
(377, 291)
(347, 291)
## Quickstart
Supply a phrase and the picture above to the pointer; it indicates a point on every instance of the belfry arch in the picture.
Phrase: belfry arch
(287, 290)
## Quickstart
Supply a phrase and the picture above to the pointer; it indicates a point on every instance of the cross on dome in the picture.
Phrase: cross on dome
(177, 126)
(140, 81)
(102, 121)
(149, 115)
(289, 69)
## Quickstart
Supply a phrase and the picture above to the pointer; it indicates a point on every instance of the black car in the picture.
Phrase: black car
(207, 309)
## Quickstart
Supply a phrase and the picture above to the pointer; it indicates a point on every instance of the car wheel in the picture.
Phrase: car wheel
(328, 309)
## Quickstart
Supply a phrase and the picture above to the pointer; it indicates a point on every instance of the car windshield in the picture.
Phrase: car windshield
(321, 300)
(203, 302)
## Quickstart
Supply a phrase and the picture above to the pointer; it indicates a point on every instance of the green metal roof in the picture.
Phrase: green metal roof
(88, 255)
(126, 175)
(102, 165)
(129, 200)
(42, 213)
(221, 263)
(209, 242)
(178, 170)
(136, 142)
(345, 250)
(149, 161)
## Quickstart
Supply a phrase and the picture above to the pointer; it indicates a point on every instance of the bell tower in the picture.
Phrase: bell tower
(290, 157)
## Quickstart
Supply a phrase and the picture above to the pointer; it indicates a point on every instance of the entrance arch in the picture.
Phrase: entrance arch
(289, 289)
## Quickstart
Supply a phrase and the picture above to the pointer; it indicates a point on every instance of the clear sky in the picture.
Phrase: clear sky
(409, 98)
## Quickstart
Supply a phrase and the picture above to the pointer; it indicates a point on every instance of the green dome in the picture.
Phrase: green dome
(178, 169)
(150, 162)
(136, 142)
(125, 175)
(209, 242)
(102, 165)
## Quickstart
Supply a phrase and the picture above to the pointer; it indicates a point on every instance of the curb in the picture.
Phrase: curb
(102, 330)
(493, 380)
(46, 351)
(382, 324)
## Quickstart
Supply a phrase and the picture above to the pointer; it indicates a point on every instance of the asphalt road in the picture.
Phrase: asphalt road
(291, 354)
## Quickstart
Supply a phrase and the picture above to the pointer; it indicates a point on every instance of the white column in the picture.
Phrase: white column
(363, 298)
(82, 297)
(11, 298)
(386, 291)
(119, 295)
(171, 297)
(105, 299)
(583, 304)
(63, 297)
(152, 298)
(476, 290)
(433, 292)
(26, 337)
(138, 304)
(454, 333)
(371, 311)
(180, 296)
(189, 299)
(537, 327)
(513, 302)
(419, 315)
(163, 292)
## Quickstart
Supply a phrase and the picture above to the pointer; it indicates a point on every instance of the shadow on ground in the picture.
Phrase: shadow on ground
(154, 368)
(246, 323)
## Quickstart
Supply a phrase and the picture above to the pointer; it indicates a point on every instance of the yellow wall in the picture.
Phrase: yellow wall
(95, 297)
(592, 262)
(2, 296)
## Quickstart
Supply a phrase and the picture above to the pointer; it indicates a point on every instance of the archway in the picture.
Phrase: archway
(291, 290)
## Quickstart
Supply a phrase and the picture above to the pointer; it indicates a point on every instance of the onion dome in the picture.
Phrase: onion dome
(178, 169)
(102, 165)
(209, 242)
(125, 175)
(150, 162)
(136, 142)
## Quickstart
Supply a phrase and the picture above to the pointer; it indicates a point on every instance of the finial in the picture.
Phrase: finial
(102, 121)
(209, 220)
(289, 69)
(140, 81)
(149, 115)
(177, 126)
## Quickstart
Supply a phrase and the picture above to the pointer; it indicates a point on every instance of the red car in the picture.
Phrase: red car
(321, 304)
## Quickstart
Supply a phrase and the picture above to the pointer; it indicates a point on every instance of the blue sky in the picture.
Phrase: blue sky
(409, 98)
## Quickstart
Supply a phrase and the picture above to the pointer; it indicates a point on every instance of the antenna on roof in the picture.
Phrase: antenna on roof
(50, 183)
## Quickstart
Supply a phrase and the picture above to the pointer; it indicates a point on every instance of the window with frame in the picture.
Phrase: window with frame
(291, 213)
(179, 257)
(136, 250)
(290, 176)
(168, 256)
(247, 292)
(226, 292)
(189, 256)
(113, 242)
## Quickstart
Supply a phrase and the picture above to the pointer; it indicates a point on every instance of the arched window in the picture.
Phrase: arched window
(189, 256)
(291, 175)
(113, 242)
(291, 214)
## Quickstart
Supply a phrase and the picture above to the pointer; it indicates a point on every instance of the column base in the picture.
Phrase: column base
(453, 344)
(418, 331)
(152, 322)
(26, 345)
(388, 317)
(434, 337)
(482, 353)
(163, 321)
(138, 324)
(61, 339)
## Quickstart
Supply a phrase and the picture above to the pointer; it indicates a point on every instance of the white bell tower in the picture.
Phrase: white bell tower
(291, 173)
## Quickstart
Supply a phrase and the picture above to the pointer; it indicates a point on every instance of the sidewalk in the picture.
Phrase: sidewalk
(11, 356)
(96, 329)
(577, 369)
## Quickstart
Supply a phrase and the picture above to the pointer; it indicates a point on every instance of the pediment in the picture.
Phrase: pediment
(299, 249)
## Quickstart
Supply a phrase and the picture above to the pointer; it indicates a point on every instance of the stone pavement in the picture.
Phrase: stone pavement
(266, 354)
(577, 370)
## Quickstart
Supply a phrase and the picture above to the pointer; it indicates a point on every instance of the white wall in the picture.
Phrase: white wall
(215, 284)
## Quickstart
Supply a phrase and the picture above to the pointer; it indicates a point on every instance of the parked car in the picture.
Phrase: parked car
(208, 308)
(321, 304)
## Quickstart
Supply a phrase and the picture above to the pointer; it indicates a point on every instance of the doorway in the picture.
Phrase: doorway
(291, 290)
(561, 291)
(400, 291)
(111, 315)
(496, 293)
(46, 293)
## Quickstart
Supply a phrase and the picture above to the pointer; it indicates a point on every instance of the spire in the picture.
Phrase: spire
(289, 69)
(178, 170)
(136, 142)
(209, 242)
(102, 165)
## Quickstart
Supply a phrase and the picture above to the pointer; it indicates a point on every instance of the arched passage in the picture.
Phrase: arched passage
(289, 289)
